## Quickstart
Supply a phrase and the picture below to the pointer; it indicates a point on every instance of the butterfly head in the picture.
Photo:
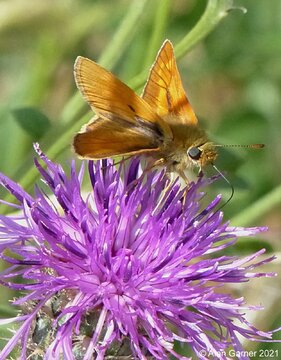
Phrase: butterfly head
(203, 154)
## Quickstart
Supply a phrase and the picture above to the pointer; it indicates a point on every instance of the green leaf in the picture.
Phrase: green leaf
(32, 121)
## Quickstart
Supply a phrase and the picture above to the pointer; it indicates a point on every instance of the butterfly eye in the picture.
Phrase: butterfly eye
(194, 153)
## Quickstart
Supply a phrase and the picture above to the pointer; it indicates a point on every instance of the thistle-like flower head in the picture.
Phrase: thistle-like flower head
(123, 272)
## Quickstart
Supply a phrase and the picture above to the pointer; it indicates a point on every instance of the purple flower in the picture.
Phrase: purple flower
(124, 271)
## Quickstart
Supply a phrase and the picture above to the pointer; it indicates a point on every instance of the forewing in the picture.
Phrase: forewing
(164, 90)
(111, 98)
(103, 138)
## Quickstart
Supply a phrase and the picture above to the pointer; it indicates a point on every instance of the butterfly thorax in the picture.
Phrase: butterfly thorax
(176, 150)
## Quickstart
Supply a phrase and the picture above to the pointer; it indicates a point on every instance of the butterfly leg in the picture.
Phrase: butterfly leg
(150, 166)
(200, 173)
(164, 194)
(184, 177)
(115, 163)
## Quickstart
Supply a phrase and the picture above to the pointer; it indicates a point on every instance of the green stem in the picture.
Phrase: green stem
(124, 35)
(161, 20)
(215, 11)
(262, 206)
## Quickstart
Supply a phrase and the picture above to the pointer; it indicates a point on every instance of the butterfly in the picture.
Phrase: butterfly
(160, 123)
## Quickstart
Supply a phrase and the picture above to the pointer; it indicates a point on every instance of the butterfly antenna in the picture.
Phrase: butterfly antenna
(229, 183)
(250, 146)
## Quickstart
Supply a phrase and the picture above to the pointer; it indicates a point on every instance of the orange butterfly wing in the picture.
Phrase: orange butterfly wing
(110, 97)
(126, 124)
(164, 91)
(103, 138)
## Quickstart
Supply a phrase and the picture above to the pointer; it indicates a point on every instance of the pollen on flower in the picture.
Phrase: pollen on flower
(123, 272)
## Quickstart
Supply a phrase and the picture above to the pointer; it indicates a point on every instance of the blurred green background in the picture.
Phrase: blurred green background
(232, 78)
